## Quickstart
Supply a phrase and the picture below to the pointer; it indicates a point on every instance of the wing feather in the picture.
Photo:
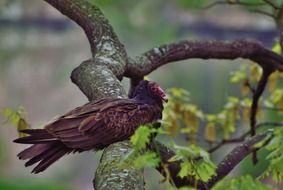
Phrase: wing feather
(98, 124)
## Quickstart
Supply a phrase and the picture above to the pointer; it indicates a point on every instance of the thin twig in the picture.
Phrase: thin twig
(254, 107)
(271, 4)
(232, 3)
(248, 84)
(237, 155)
(209, 6)
(263, 13)
(243, 136)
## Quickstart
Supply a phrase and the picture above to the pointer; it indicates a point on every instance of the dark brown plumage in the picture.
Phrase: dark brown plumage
(94, 125)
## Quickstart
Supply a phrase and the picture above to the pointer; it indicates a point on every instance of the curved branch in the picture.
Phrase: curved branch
(104, 43)
(247, 49)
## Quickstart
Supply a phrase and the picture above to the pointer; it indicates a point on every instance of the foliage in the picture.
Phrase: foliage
(275, 146)
(141, 137)
(195, 162)
(15, 118)
(139, 140)
(245, 182)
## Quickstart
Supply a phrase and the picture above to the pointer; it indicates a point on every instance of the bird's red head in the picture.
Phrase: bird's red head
(158, 91)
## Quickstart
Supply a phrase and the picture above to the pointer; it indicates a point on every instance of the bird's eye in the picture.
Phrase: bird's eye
(154, 89)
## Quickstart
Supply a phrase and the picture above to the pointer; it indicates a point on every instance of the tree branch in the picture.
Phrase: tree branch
(243, 136)
(258, 11)
(104, 43)
(272, 4)
(247, 49)
(225, 2)
(230, 161)
(257, 94)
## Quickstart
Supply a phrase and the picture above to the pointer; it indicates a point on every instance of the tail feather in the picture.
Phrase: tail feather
(43, 154)
(37, 136)
(46, 162)
(46, 149)
(34, 131)
(33, 151)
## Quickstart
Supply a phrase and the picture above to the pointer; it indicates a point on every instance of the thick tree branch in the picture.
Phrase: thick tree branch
(247, 49)
(104, 43)
(97, 81)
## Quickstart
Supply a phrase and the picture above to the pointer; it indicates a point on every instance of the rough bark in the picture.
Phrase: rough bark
(248, 49)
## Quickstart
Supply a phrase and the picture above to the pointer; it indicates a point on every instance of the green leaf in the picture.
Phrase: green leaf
(276, 48)
(205, 170)
(185, 170)
(187, 188)
(12, 116)
(141, 137)
(22, 125)
(237, 76)
(247, 102)
(275, 146)
(242, 183)
(175, 158)
(148, 159)
(232, 102)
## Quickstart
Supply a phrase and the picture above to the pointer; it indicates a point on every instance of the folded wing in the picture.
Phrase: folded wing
(97, 125)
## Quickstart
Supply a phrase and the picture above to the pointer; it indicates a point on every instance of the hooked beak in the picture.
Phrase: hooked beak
(165, 98)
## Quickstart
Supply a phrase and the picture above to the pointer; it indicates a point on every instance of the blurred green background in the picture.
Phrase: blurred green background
(39, 47)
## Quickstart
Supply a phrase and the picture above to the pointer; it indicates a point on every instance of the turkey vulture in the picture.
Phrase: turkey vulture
(94, 125)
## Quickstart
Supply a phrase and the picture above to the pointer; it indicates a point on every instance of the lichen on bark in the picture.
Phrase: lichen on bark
(97, 81)
(111, 164)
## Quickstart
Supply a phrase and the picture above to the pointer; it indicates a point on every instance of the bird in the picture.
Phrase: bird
(92, 126)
